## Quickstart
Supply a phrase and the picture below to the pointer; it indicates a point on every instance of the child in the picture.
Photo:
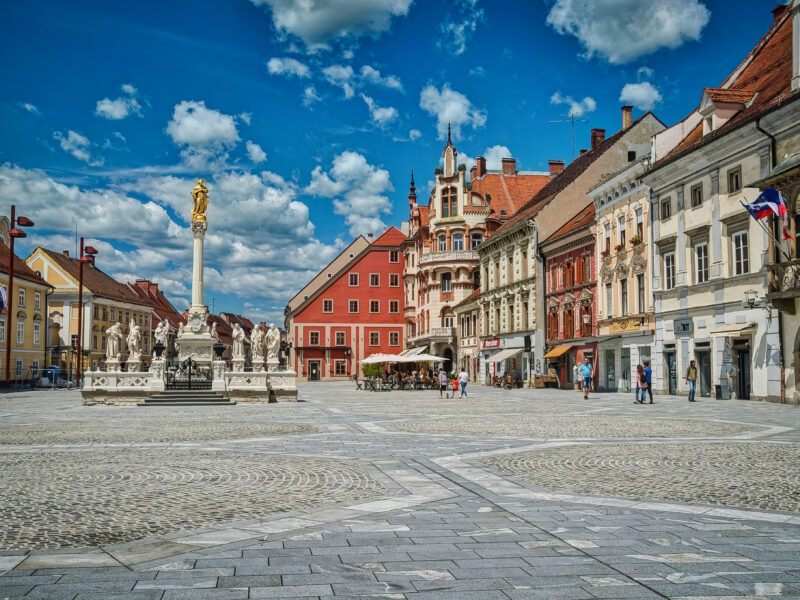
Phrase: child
(454, 386)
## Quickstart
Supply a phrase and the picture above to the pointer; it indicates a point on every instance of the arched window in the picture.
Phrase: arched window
(449, 201)
(569, 323)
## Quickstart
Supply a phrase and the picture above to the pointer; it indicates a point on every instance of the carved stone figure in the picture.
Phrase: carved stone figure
(238, 342)
(214, 333)
(161, 333)
(200, 197)
(257, 344)
(114, 341)
(181, 329)
(273, 343)
(133, 340)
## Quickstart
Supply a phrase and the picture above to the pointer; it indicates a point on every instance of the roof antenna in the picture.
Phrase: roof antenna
(572, 120)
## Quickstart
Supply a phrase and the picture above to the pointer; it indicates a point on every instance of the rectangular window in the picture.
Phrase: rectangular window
(353, 308)
(112, 313)
(608, 237)
(105, 314)
(96, 312)
(340, 339)
(622, 230)
(18, 370)
(394, 338)
(476, 239)
(327, 306)
(669, 270)
(394, 306)
(127, 316)
(442, 243)
(374, 280)
(103, 343)
(374, 306)
(640, 283)
(394, 280)
(141, 318)
(458, 241)
(741, 253)
(374, 338)
(666, 210)
(37, 333)
(353, 279)
(340, 367)
(697, 195)
(21, 297)
(94, 342)
(20, 333)
(701, 262)
(609, 301)
(623, 297)
(447, 282)
(313, 338)
(394, 256)
(35, 368)
(448, 322)
(639, 224)
(734, 180)
(2, 332)
(37, 301)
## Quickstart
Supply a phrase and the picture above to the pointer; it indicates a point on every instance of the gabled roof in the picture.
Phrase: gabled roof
(765, 72)
(149, 292)
(21, 270)
(566, 177)
(471, 298)
(583, 219)
(244, 322)
(508, 192)
(391, 237)
(224, 331)
(95, 280)
(731, 96)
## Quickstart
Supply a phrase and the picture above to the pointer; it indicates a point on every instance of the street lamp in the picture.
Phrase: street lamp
(13, 234)
(86, 257)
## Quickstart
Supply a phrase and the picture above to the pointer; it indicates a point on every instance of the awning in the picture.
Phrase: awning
(734, 330)
(504, 354)
(557, 351)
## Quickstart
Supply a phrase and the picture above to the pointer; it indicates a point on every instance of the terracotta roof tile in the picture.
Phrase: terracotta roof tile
(21, 269)
(391, 237)
(149, 292)
(732, 96)
(509, 192)
(584, 218)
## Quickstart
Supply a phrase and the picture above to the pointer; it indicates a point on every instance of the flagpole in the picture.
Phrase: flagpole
(766, 229)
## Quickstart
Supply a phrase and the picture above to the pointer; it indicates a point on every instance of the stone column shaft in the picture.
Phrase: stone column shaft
(198, 232)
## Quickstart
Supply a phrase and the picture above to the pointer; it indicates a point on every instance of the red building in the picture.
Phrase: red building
(356, 313)
(570, 279)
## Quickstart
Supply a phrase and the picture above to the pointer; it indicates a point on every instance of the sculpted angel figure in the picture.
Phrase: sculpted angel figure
(200, 197)
(257, 344)
(273, 342)
(114, 341)
(133, 339)
(238, 341)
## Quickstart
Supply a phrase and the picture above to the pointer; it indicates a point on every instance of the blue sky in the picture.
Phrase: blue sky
(306, 118)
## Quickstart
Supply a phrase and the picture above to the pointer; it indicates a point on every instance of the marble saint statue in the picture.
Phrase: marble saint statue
(214, 334)
(257, 344)
(200, 197)
(273, 342)
(161, 333)
(114, 342)
(180, 329)
(133, 340)
(238, 341)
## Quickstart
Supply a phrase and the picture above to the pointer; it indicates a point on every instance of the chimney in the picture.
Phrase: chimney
(778, 11)
(583, 151)
(480, 163)
(598, 135)
(370, 237)
(509, 166)
(66, 253)
(627, 116)
(153, 288)
(556, 167)
(473, 173)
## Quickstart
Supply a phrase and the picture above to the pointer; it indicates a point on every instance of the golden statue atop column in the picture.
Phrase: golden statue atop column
(200, 197)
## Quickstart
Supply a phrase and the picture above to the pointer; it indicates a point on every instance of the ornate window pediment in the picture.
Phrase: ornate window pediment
(639, 264)
(568, 301)
(552, 305)
(606, 273)
(585, 298)
(621, 269)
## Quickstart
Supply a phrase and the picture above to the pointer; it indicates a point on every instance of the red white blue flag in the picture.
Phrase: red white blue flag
(770, 202)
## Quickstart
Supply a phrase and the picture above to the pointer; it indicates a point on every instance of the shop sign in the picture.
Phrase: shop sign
(495, 343)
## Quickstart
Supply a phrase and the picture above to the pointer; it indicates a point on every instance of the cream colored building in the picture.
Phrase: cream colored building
(467, 332)
(625, 319)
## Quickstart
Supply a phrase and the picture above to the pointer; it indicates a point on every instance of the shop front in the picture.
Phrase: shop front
(562, 362)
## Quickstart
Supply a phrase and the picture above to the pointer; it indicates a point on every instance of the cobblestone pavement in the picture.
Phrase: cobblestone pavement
(515, 494)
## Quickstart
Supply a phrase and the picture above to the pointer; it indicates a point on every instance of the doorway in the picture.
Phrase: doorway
(743, 372)
(611, 378)
(672, 373)
(704, 372)
(448, 362)
(625, 370)
(313, 370)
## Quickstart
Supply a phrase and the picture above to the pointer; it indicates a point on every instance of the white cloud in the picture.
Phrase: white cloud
(372, 75)
(380, 115)
(493, 156)
(414, 134)
(450, 107)
(77, 145)
(340, 76)
(317, 22)
(358, 190)
(203, 134)
(120, 107)
(477, 71)
(31, 108)
(621, 31)
(287, 66)
(644, 73)
(641, 95)
(310, 96)
(246, 117)
(459, 27)
(576, 108)
(255, 152)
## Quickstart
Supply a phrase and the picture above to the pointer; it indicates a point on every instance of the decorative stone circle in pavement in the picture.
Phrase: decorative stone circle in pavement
(559, 427)
(744, 474)
(129, 431)
(88, 498)
(434, 406)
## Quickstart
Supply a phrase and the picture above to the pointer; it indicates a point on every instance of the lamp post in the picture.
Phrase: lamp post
(86, 256)
(13, 234)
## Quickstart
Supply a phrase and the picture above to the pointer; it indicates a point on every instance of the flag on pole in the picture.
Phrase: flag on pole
(770, 202)
(3, 299)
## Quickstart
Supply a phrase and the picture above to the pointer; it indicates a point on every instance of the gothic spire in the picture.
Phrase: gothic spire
(412, 190)
(449, 141)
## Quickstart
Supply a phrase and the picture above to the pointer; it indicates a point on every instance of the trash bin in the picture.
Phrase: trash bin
(723, 391)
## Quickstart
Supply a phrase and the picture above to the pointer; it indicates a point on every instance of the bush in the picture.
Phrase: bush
(373, 370)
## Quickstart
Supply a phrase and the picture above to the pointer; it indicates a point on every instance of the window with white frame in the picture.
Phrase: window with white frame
(394, 338)
(374, 338)
(353, 306)
(394, 256)
(442, 243)
(37, 333)
(447, 282)
(621, 225)
(327, 305)
(697, 195)
(394, 280)
(111, 315)
(37, 300)
(394, 306)
(623, 297)
(353, 280)
(458, 241)
(448, 321)
(35, 368)
(313, 338)
(374, 306)
(340, 338)
(741, 253)
(666, 209)
(21, 297)
(20, 333)
(639, 224)
(641, 291)
(609, 301)
(607, 229)
(94, 342)
(340, 367)
(701, 262)
(734, 180)
(18, 370)
(476, 239)
(669, 270)
(374, 280)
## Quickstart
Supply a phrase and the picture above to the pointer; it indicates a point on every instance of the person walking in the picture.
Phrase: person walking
(442, 382)
(463, 378)
(585, 371)
(641, 384)
(691, 379)
(649, 373)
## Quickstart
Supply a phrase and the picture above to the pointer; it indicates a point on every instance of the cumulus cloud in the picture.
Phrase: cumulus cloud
(621, 31)
(450, 107)
(372, 75)
(317, 22)
(287, 66)
(358, 190)
(641, 95)
(77, 145)
(576, 108)
(340, 76)
(459, 26)
(414, 134)
(120, 107)
(310, 96)
(494, 156)
(255, 152)
(380, 115)
(204, 134)
(644, 73)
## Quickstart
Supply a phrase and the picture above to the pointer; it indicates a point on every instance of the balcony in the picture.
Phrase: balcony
(784, 283)
(449, 256)
(436, 334)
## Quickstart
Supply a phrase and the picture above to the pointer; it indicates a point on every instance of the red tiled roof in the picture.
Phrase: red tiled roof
(244, 322)
(95, 280)
(769, 73)
(21, 270)
(509, 192)
(391, 237)
(424, 217)
(224, 331)
(149, 292)
(473, 296)
(733, 96)
(565, 178)
(583, 219)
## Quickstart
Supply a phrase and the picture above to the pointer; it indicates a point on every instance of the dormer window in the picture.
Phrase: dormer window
(718, 105)
(449, 200)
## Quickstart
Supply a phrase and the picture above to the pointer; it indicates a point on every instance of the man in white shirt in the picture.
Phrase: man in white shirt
(463, 378)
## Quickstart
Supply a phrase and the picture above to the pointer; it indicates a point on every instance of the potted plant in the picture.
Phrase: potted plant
(636, 240)
(605, 252)
(618, 247)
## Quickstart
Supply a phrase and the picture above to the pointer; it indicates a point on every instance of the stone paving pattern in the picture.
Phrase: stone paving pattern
(367, 503)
